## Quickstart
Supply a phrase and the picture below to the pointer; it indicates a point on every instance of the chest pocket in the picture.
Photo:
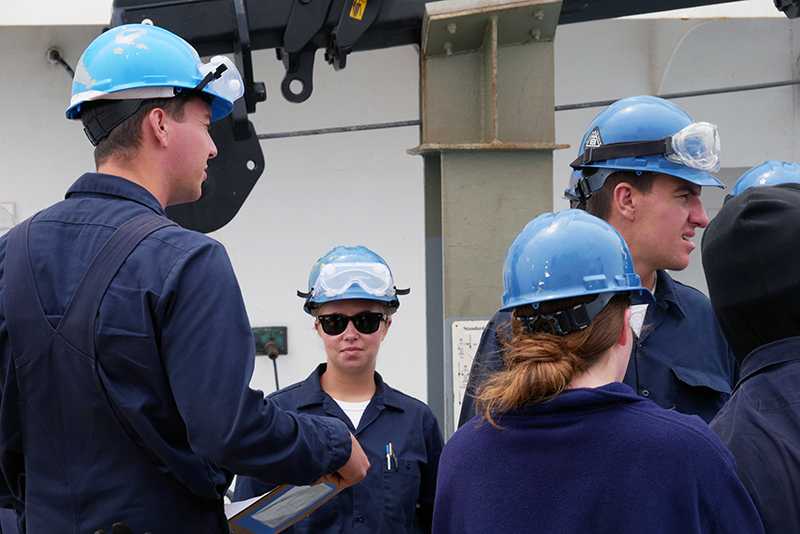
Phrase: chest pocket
(699, 392)
(401, 492)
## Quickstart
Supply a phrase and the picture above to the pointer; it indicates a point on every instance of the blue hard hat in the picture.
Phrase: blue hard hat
(568, 254)
(138, 61)
(351, 273)
(770, 172)
(645, 133)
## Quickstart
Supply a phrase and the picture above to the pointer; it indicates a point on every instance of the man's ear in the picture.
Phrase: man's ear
(155, 125)
(624, 201)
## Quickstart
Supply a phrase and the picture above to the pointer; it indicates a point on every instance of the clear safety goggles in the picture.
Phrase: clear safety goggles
(335, 278)
(697, 146)
(222, 78)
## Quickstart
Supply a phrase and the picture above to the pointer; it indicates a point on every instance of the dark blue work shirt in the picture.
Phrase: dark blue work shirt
(680, 361)
(760, 425)
(590, 460)
(386, 501)
(174, 358)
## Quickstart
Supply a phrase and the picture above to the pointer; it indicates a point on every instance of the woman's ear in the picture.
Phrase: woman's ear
(388, 324)
(626, 334)
(317, 327)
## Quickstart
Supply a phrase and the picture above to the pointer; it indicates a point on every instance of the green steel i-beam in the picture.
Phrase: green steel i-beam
(488, 134)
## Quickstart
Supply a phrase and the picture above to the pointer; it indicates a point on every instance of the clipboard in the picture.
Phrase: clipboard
(280, 508)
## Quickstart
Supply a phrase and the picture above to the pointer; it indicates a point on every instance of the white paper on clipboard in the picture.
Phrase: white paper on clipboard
(278, 509)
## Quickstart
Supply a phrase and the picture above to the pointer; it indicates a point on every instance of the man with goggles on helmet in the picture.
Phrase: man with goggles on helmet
(352, 297)
(641, 167)
(125, 349)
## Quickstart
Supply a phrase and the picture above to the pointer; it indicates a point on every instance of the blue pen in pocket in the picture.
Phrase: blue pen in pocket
(391, 459)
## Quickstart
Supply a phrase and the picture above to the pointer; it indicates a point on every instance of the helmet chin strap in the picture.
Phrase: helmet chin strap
(627, 149)
(101, 126)
(561, 323)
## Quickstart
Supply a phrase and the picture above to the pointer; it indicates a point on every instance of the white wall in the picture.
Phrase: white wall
(339, 189)
(54, 12)
(362, 188)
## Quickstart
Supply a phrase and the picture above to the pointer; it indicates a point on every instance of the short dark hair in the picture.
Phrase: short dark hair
(123, 140)
(599, 203)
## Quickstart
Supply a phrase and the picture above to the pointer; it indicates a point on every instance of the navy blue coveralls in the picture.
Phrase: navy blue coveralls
(761, 427)
(591, 460)
(386, 500)
(140, 411)
(680, 361)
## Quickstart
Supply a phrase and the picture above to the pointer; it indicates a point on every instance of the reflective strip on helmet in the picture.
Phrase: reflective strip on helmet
(139, 93)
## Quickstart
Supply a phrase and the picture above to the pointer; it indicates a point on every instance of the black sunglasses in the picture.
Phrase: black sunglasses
(365, 322)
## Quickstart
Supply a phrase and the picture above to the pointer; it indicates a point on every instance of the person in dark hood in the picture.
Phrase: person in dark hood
(754, 286)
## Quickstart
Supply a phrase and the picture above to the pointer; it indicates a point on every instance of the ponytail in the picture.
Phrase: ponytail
(541, 366)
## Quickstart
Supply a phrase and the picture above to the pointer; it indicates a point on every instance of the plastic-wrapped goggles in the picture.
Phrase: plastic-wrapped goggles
(696, 146)
(222, 78)
(335, 278)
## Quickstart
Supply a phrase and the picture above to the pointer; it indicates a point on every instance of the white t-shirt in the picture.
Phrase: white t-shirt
(353, 410)
(637, 316)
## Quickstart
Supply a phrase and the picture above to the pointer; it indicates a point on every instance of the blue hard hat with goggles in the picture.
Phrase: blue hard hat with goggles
(135, 62)
(644, 134)
(351, 273)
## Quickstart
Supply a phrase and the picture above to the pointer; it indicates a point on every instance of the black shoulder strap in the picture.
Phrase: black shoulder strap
(95, 282)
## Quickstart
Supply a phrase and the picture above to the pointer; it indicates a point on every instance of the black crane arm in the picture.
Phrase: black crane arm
(296, 29)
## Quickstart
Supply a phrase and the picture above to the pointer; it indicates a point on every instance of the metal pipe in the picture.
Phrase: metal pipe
(670, 96)
(341, 129)
(566, 107)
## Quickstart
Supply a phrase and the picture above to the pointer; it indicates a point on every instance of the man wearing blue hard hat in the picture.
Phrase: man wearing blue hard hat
(641, 167)
(748, 260)
(125, 349)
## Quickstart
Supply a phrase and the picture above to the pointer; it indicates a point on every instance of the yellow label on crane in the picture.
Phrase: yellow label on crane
(357, 11)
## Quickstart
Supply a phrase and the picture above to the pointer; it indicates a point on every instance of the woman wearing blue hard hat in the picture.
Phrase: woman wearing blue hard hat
(559, 443)
(352, 296)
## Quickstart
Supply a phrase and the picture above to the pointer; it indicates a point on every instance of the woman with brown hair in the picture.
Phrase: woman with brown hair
(559, 443)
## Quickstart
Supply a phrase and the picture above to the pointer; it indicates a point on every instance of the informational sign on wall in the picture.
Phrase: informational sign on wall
(465, 337)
